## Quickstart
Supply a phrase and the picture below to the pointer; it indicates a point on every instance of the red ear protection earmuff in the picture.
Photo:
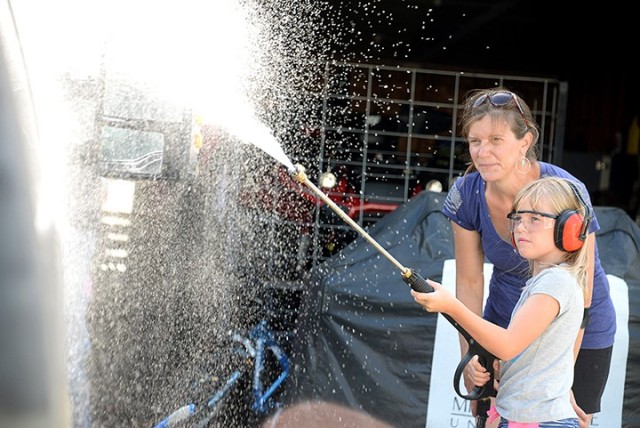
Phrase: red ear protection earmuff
(571, 227)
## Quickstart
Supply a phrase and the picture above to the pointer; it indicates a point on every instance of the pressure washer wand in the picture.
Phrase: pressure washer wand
(412, 278)
(419, 284)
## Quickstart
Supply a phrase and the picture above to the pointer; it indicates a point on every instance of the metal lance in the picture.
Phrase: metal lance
(301, 176)
(418, 283)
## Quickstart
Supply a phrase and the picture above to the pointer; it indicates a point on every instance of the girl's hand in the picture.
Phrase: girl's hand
(439, 300)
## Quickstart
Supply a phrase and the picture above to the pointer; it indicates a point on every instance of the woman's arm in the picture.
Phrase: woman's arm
(470, 291)
(469, 268)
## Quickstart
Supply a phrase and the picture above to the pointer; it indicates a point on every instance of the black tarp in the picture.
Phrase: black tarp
(365, 344)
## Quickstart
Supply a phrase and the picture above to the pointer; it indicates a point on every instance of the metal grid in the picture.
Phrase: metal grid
(393, 129)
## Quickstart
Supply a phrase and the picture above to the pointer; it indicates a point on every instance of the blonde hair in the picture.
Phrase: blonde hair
(559, 195)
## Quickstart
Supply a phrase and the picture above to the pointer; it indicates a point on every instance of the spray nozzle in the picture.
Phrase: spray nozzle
(299, 173)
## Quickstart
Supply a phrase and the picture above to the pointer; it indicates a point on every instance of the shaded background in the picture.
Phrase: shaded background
(591, 48)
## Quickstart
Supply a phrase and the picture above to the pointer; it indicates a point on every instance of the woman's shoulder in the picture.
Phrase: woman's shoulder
(464, 195)
(468, 182)
(551, 170)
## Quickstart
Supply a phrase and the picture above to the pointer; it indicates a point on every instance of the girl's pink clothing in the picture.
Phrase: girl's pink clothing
(493, 415)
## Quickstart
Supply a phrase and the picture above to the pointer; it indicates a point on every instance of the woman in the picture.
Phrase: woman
(502, 136)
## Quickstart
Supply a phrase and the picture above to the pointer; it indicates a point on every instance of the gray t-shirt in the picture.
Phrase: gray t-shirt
(535, 385)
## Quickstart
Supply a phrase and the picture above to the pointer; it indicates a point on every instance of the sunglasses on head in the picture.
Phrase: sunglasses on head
(500, 99)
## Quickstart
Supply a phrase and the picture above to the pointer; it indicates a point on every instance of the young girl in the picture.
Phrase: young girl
(549, 222)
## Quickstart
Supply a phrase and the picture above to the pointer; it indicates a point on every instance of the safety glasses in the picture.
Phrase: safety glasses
(534, 221)
(500, 99)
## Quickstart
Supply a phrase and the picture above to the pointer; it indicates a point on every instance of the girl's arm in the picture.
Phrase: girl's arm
(526, 324)
(470, 290)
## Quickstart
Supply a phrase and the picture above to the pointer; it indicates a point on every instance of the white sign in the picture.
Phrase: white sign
(447, 409)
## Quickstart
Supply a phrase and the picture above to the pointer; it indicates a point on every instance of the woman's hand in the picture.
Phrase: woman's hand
(584, 420)
(475, 374)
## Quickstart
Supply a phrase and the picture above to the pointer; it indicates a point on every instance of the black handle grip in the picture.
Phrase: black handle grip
(482, 412)
(419, 284)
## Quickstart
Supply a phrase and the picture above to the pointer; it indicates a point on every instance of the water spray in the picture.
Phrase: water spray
(419, 284)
